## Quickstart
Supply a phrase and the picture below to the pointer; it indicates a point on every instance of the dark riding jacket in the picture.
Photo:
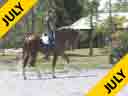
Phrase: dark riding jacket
(50, 23)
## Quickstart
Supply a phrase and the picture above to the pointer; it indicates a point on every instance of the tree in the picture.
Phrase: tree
(68, 11)
(73, 9)
(120, 6)
(33, 20)
(91, 9)
(93, 5)
(104, 26)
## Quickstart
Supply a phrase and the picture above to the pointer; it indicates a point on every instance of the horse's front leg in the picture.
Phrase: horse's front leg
(55, 57)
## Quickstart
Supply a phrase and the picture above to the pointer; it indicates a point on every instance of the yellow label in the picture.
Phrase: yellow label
(113, 82)
(11, 12)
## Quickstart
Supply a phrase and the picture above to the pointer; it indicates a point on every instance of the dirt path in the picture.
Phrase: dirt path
(69, 84)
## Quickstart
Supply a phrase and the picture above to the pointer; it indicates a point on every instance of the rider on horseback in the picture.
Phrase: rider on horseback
(48, 39)
(51, 27)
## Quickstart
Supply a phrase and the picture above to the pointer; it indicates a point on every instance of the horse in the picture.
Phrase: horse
(72, 38)
(31, 47)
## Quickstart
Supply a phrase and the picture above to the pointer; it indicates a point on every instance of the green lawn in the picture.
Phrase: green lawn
(79, 59)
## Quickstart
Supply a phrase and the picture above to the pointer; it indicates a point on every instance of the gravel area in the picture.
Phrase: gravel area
(66, 84)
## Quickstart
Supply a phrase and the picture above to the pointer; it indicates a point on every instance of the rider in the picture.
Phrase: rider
(51, 27)
(49, 39)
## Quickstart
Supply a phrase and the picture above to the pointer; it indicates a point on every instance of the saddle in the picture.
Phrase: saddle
(50, 45)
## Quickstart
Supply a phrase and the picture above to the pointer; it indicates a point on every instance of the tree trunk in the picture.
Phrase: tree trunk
(27, 23)
(111, 28)
(91, 35)
(33, 20)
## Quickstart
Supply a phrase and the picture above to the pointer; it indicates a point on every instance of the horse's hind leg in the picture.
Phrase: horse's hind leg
(24, 74)
(55, 57)
(66, 58)
(32, 63)
(25, 61)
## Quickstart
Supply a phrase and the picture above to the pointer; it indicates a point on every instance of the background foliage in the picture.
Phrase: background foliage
(68, 11)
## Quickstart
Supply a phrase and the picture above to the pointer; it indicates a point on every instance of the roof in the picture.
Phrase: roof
(82, 24)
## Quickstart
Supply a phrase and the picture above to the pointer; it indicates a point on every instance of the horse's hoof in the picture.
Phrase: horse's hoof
(25, 78)
(53, 76)
(32, 65)
(46, 59)
(39, 77)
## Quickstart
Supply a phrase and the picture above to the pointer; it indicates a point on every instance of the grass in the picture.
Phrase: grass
(7, 57)
(79, 59)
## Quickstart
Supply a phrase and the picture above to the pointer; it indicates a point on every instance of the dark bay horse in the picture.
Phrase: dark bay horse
(32, 46)
(71, 37)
